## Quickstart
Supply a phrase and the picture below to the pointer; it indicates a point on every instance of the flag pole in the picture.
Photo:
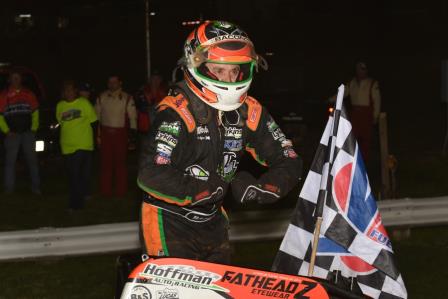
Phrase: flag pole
(315, 244)
(326, 183)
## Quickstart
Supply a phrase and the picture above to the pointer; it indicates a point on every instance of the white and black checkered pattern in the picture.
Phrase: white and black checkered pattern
(384, 280)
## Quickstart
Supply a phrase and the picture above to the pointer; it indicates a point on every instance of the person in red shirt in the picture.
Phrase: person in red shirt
(146, 100)
(19, 120)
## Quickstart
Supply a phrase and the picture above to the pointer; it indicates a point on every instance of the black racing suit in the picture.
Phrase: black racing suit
(190, 156)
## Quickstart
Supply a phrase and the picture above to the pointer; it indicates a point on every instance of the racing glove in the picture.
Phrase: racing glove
(214, 192)
(245, 188)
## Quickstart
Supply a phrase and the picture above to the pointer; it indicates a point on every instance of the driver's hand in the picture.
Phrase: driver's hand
(245, 188)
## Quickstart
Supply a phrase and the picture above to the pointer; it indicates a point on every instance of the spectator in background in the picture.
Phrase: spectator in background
(146, 100)
(86, 91)
(76, 117)
(116, 113)
(364, 106)
(19, 121)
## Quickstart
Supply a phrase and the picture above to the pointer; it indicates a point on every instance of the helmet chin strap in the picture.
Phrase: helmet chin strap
(223, 118)
(220, 114)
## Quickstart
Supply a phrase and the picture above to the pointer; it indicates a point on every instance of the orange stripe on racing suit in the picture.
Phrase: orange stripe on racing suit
(152, 229)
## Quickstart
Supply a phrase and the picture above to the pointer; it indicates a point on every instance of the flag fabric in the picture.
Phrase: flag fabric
(352, 238)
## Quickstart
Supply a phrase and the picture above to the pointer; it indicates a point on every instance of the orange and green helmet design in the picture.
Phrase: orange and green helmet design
(222, 43)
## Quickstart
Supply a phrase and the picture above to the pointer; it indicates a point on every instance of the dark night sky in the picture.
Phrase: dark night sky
(315, 44)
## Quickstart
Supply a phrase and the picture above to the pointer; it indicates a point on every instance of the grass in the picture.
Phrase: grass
(79, 277)
(23, 210)
(422, 259)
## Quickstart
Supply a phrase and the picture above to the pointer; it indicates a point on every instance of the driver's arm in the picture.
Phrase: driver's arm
(269, 146)
(159, 175)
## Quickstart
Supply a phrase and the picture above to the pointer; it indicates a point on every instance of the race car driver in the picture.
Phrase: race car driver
(200, 133)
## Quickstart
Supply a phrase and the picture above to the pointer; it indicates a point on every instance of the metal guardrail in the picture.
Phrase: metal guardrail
(245, 226)
(414, 212)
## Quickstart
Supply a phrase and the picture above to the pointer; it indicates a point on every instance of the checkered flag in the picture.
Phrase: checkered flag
(352, 242)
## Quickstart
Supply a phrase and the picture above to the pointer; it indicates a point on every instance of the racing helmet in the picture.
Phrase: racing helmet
(219, 42)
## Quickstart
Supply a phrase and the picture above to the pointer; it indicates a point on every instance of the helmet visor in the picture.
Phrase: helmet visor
(231, 51)
(243, 72)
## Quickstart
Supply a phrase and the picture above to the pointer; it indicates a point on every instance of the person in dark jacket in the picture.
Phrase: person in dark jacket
(199, 135)
(19, 121)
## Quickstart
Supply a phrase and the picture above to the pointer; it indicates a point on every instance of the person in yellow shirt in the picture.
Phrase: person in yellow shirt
(76, 117)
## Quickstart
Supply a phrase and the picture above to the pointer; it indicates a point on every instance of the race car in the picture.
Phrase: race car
(176, 278)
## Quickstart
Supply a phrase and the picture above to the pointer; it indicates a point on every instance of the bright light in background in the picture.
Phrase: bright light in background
(25, 20)
(152, 13)
(62, 22)
(191, 23)
(40, 145)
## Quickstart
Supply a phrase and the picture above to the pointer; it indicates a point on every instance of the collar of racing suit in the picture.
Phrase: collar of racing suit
(202, 112)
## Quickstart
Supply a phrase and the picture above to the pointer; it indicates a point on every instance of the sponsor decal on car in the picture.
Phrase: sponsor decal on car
(269, 286)
(140, 292)
(174, 278)
(182, 275)
(168, 294)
